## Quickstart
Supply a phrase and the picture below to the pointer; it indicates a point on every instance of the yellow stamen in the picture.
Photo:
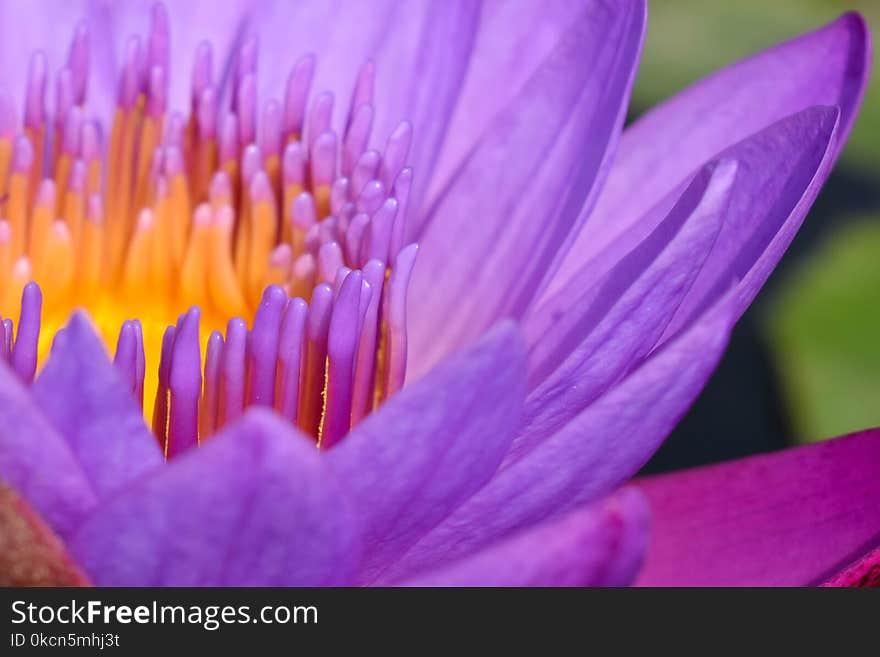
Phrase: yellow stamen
(194, 271)
(179, 215)
(136, 275)
(151, 130)
(63, 165)
(322, 200)
(41, 223)
(18, 211)
(58, 269)
(223, 285)
(262, 240)
(91, 255)
(74, 209)
(5, 159)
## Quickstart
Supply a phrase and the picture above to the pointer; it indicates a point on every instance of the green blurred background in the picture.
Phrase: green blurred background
(804, 362)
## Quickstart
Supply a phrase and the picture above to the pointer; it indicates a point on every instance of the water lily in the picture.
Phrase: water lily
(471, 220)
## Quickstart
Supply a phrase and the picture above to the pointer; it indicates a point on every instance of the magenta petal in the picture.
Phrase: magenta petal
(254, 506)
(84, 397)
(593, 454)
(825, 67)
(425, 451)
(600, 545)
(791, 518)
(37, 462)
(529, 182)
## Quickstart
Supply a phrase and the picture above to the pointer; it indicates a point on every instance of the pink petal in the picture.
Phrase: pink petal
(791, 518)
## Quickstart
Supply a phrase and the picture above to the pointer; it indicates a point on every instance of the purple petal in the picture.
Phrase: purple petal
(792, 518)
(589, 336)
(825, 67)
(253, 507)
(581, 342)
(526, 186)
(601, 545)
(780, 171)
(784, 168)
(594, 453)
(425, 451)
(38, 462)
(84, 397)
(513, 41)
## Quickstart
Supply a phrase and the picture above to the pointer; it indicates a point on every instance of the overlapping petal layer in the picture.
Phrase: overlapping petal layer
(586, 339)
(825, 67)
(489, 240)
(595, 452)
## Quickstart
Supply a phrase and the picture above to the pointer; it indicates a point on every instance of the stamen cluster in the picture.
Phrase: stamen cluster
(238, 210)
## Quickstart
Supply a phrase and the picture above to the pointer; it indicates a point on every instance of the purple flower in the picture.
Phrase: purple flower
(575, 284)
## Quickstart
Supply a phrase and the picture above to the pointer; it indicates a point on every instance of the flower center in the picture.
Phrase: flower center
(275, 221)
